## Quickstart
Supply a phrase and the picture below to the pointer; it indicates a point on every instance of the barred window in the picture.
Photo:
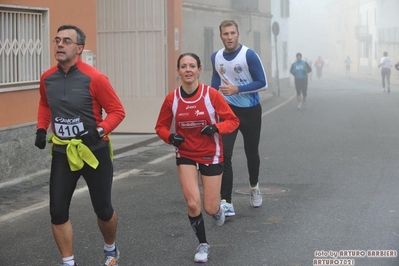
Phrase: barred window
(23, 40)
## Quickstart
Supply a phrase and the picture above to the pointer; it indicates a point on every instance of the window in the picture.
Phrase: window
(23, 40)
(285, 8)
(365, 49)
(257, 48)
(285, 55)
(246, 6)
(208, 46)
(388, 35)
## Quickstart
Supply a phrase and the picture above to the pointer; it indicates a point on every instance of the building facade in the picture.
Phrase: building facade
(343, 33)
(366, 34)
(363, 30)
(388, 30)
(280, 15)
(136, 43)
(202, 19)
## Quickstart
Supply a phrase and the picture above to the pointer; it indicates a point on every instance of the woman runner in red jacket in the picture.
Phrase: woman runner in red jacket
(196, 109)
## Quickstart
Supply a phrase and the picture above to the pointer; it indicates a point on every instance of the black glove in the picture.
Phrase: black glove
(89, 137)
(176, 140)
(209, 130)
(40, 141)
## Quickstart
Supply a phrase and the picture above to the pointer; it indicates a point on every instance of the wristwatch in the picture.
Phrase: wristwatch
(101, 132)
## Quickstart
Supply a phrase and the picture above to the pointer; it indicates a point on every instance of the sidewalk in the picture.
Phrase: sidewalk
(376, 77)
(122, 143)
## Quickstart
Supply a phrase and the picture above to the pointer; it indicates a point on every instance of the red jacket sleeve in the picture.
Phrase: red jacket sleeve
(165, 118)
(43, 113)
(107, 98)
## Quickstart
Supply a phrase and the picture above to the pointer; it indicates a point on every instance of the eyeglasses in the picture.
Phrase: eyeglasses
(66, 41)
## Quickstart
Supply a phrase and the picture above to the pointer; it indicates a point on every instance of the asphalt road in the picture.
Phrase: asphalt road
(329, 179)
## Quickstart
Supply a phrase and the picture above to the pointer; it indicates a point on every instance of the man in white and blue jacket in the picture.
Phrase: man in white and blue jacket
(300, 70)
(239, 75)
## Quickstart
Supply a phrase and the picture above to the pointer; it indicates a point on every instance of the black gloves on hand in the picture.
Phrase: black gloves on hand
(40, 141)
(209, 130)
(176, 140)
(89, 137)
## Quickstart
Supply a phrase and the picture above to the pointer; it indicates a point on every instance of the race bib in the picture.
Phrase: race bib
(67, 128)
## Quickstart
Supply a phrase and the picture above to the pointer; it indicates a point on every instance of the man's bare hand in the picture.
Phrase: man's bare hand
(228, 89)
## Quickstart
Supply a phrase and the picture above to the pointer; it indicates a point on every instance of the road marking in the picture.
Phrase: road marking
(18, 180)
(23, 211)
(278, 106)
(45, 203)
(126, 174)
(163, 158)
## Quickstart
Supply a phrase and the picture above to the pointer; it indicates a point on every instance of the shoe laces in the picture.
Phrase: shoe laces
(216, 217)
(203, 248)
(255, 192)
(111, 258)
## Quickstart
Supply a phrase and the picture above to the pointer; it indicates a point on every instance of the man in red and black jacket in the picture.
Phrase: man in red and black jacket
(73, 96)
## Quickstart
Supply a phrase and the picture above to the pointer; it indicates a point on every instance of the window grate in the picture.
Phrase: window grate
(21, 47)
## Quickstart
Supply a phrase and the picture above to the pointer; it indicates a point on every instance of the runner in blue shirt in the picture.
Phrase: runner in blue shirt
(300, 69)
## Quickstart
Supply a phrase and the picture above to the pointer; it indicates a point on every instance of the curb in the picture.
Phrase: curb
(136, 145)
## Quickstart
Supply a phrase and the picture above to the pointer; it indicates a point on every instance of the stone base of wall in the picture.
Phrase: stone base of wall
(20, 158)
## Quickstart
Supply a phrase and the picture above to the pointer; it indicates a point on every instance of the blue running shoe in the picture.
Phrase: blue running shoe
(111, 257)
(228, 208)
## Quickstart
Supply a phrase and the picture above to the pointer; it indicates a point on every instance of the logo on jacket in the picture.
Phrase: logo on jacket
(63, 120)
(198, 112)
(241, 81)
(222, 69)
(192, 124)
(238, 69)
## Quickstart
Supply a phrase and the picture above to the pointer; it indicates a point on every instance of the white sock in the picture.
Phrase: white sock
(219, 212)
(69, 260)
(255, 187)
(109, 247)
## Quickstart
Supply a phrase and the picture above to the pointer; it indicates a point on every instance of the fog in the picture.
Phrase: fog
(308, 29)
(335, 29)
